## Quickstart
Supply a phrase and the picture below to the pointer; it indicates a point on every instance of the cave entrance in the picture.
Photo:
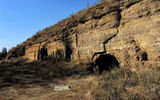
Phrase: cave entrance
(106, 62)
(68, 51)
(42, 53)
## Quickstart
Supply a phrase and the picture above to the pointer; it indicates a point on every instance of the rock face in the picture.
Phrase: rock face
(127, 29)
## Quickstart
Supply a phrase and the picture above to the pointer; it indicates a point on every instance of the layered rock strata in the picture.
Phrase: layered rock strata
(127, 29)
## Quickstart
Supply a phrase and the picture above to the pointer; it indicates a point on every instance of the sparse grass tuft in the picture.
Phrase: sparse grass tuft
(112, 75)
(123, 84)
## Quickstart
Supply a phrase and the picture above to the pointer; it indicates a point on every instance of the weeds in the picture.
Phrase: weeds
(123, 84)
(140, 85)
(117, 84)
(112, 75)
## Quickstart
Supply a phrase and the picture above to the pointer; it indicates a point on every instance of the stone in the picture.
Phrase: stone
(62, 88)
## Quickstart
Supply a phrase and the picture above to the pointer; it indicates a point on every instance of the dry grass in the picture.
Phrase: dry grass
(118, 84)
(122, 84)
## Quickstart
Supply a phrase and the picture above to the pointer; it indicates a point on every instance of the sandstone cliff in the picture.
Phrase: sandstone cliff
(127, 29)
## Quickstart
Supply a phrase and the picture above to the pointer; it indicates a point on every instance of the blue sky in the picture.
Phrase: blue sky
(20, 19)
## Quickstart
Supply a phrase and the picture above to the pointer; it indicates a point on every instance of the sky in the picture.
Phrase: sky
(21, 19)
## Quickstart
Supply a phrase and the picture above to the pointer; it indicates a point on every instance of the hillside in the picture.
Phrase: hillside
(127, 29)
(122, 34)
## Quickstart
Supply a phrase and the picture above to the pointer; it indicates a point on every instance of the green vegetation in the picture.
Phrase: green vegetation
(3, 54)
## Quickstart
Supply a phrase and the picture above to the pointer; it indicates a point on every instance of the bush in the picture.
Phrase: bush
(3, 54)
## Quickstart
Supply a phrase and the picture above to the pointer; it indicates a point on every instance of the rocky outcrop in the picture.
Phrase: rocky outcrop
(127, 29)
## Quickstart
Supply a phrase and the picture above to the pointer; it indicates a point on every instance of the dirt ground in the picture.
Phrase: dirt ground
(37, 81)
(42, 91)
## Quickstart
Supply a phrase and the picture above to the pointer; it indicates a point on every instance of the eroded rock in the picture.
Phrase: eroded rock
(135, 25)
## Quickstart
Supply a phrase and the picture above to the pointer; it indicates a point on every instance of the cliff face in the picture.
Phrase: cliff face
(127, 29)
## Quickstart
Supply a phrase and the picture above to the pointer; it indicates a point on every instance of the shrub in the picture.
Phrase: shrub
(3, 54)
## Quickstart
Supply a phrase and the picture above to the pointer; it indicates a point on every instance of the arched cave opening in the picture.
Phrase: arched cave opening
(106, 62)
(42, 54)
